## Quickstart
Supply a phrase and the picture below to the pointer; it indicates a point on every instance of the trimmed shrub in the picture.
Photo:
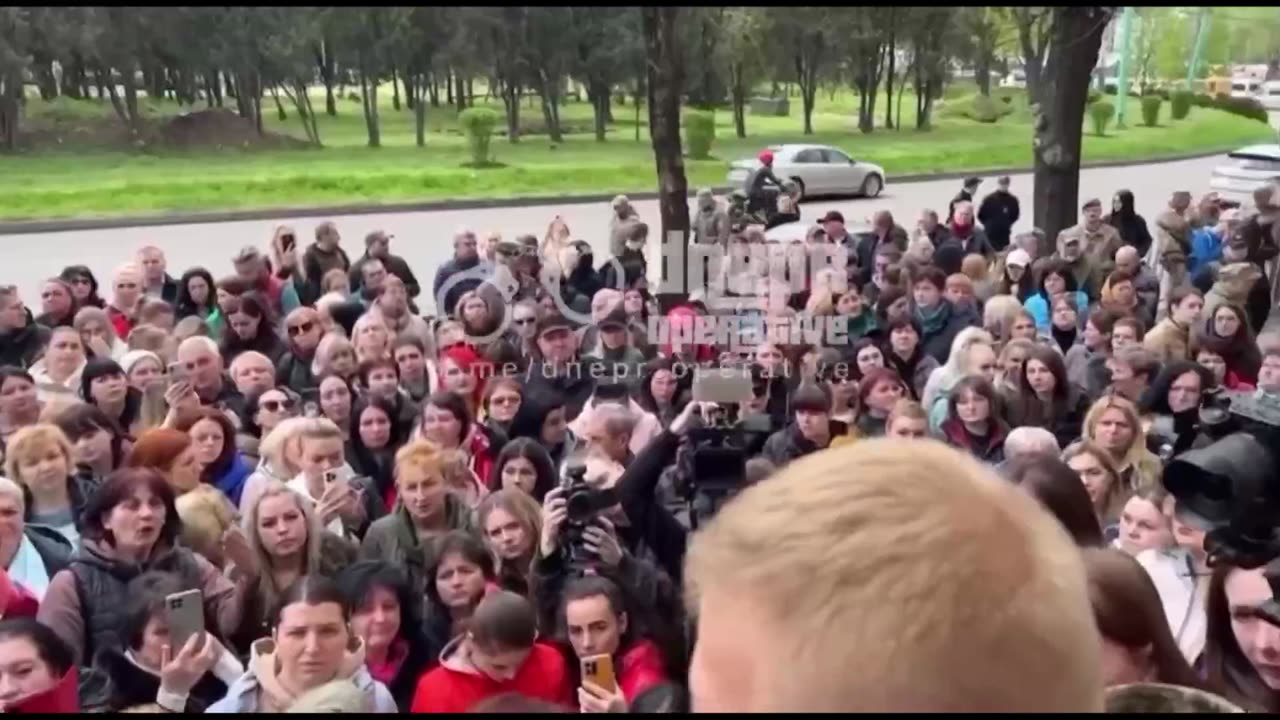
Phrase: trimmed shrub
(1151, 110)
(1101, 112)
(1094, 96)
(478, 124)
(1201, 100)
(699, 133)
(1180, 105)
(1246, 107)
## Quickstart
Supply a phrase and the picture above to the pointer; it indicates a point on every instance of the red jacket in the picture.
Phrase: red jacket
(15, 600)
(61, 698)
(444, 689)
(639, 669)
(119, 322)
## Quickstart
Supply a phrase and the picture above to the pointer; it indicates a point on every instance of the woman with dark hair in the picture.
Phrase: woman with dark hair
(197, 296)
(263, 412)
(57, 304)
(19, 403)
(104, 385)
(1138, 645)
(1055, 279)
(148, 669)
(524, 465)
(1126, 220)
(542, 419)
(170, 453)
(385, 616)
(865, 355)
(375, 437)
(973, 421)
(84, 286)
(511, 521)
(1226, 332)
(446, 420)
(38, 671)
(222, 465)
(250, 327)
(1240, 643)
(1101, 480)
(459, 571)
(1173, 399)
(130, 527)
(1059, 490)
(1045, 398)
(878, 392)
(905, 353)
(311, 644)
(659, 392)
(336, 398)
(502, 398)
(1016, 278)
(99, 445)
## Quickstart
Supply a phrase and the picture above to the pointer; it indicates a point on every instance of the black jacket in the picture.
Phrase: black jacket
(957, 318)
(54, 549)
(295, 372)
(573, 388)
(448, 270)
(115, 683)
(651, 521)
(1131, 226)
(998, 214)
(868, 245)
(963, 196)
(21, 348)
(788, 444)
(315, 263)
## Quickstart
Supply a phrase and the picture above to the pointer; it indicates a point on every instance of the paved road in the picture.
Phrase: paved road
(423, 238)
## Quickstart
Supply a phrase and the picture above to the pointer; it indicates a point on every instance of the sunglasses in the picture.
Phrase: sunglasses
(276, 405)
(524, 321)
(296, 330)
(508, 400)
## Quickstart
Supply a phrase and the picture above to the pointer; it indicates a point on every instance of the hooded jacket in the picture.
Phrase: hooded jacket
(393, 539)
(1233, 286)
(317, 261)
(259, 690)
(117, 682)
(1168, 341)
(956, 435)
(1239, 352)
(21, 347)
(454, 686)
(941, 330)
(1131, 226)
(710, 221)
(998, 214)
(916, 370)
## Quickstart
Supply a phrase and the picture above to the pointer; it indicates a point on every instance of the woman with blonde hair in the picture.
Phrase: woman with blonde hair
(1009, 364)
(98, 333)
(40, 459)
(1114, 424)
(335, 355)
(371, 338)
(280, 452)
(286, 542)
(206, 516)
(511, 521)
(1107, 492)
(998, 314)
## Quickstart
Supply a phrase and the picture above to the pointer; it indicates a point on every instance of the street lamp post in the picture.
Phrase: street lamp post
(1122, 75)
(1197, 50)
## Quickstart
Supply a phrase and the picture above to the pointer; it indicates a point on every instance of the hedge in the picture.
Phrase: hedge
(1151, 110)
(478, 124)
(699, 133)
(1101, 112)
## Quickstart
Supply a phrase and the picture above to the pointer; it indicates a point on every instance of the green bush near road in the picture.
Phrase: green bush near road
(1151, 110)
(1101, 113)
(1180, 105)
(478, 123)
(699, 132)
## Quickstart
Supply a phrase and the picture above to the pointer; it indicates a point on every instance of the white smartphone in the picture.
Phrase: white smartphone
(185, 613)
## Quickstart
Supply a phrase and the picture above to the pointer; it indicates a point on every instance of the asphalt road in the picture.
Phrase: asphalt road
(424, 238)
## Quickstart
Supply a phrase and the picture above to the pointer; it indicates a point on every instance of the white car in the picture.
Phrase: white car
(796, 232)
(1269, 95)
(817, 170)
(1249, 168)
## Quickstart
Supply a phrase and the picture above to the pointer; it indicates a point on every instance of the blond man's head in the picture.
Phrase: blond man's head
(890, 575)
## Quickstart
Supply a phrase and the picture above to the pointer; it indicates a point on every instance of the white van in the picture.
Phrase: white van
(1270, 95)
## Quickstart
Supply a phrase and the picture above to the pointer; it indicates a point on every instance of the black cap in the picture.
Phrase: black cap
(553, 321)
(832, 216)
(617, 318)
(972, 180)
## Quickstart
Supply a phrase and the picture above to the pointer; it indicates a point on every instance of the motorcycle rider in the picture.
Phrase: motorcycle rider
(760, 179)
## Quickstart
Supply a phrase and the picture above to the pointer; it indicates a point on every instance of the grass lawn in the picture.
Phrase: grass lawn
(81, 178)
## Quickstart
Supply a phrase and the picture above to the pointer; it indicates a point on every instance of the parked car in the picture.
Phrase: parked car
(1269, 95)
(1015, 79)
(1248, 168)
(817, 170)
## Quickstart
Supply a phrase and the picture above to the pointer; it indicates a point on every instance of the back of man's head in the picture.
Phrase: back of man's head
(503, 621)
(1026, 441)
(890, 576)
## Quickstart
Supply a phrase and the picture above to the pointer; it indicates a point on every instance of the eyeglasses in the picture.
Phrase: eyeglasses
(276, 405)
(504, 400)
(296, 330)
(524, 321)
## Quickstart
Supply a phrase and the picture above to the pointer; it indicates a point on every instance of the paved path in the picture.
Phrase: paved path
(423, 238)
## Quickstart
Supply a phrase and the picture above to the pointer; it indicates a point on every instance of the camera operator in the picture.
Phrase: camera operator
(606, 543)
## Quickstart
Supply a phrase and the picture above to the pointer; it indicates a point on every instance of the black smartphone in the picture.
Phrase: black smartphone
(287, 242)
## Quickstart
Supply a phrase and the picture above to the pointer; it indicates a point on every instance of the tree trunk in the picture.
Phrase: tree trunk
(511, 101)
(256, 103)
(739, 92)
(395, 90)
(411, 90)
(666, 81)
(10, 110)
(73, 78)
(369, 99)
(893, 66)
(107, 84)
(448, 86)
(46, 81)
(460, 92)
(130, 96)
(280, 113)
(433, 89)
(1064, 92)
(208, 91)
(471, 91)
(420, 114)
(324, 59)
(982, 71)
(550, 109)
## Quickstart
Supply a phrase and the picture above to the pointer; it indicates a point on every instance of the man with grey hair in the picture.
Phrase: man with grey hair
(466, 259)
(31, 554)
(205, 375)
(1027, 441)
(252, 373)
(620, 224)
(1145, 283)
(608, 434)
(711, 221)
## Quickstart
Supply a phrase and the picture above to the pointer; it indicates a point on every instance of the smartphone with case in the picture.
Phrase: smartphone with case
(722, 385)
(185, 613)
(599, 670)
(178, 372)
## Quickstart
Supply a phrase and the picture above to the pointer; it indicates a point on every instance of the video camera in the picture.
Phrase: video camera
(1231, 487)
(583, 505)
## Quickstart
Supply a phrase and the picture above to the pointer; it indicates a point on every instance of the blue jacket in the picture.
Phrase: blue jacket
(1206, 247)
(231, 481)
(1038, 306)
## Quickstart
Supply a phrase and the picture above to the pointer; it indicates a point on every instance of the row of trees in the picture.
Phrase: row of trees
(243, 56)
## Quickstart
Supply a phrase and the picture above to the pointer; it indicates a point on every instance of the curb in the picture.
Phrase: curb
(219, 216)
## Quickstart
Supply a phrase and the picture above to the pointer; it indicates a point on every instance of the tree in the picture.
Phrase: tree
(607, 49)
(867, 42)
(15, 37)
(548, 55)
(930, 31)
(801, 38)
(741, 55)
(982, 25)
(1035, 26)
(665, 70)
(1075, 38)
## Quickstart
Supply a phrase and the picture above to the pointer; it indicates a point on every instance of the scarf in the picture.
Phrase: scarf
(932, 320)
(1064, 338)
(28, 569)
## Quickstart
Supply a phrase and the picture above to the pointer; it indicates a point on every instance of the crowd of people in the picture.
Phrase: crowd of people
(501, 507)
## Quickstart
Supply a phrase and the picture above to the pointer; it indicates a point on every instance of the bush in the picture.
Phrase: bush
(984, 109)
(1180, 105)
(478, 124)
(1151, 110)
(699, 132)
(1101, 112)
(1202, 100)
(1246, 107)
(1094, 96)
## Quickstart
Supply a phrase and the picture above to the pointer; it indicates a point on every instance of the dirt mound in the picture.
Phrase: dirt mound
(216, 129)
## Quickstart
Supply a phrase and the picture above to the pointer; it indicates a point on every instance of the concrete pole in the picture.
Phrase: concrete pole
(1197, 51)
(1122, 74)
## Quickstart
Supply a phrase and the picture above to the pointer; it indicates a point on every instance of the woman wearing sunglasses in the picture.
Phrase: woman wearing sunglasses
(262, 414)
(303, 331)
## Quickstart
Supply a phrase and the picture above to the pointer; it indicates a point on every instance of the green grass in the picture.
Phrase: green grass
(83, 178)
